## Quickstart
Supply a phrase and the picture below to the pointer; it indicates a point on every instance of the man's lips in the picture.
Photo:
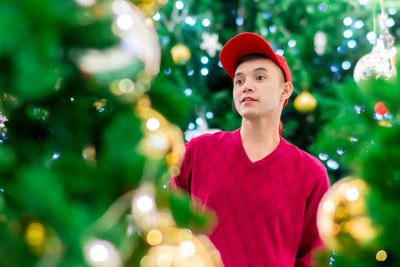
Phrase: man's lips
(247, 99)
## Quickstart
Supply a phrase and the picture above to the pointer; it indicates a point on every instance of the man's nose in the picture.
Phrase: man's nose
(248, 86)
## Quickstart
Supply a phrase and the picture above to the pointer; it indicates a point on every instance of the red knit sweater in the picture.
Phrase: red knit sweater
(266, 209)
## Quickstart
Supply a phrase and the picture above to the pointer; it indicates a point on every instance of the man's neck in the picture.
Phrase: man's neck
(259, 137)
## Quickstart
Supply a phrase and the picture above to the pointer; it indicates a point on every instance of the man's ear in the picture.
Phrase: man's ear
(287, 90)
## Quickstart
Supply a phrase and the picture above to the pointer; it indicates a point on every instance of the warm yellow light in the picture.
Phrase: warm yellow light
(329, 206)
(153, 124)
(89, 153)
(187, 249)
(164, 260)
(35, 234)
(381, 255)
(154, 237)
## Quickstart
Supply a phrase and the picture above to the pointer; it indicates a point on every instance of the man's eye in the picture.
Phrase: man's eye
(238, 82)
(260, 77)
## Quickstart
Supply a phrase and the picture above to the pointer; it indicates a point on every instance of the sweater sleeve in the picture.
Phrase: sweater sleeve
(310, 238)
(183, 180)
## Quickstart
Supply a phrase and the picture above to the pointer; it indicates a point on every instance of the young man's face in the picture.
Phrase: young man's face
(258, 88)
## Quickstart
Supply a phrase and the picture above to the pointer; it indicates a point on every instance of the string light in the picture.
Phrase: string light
(239, 21)
(292, 43)
(352, 194)
(144, 203)
(339, 151)
(351, 44)
(187, 249)
(188, 92)
(280, 52)
(98, 253)
(348, 33)
(347, 21)
(209, 115)
(334, 68)
(56, 155)
(323, 6)
(272, 28)
(267, 15)
(264, 31)
(392, 11)
(191, 126)
(206, 22)
(199, 121)
(204, 59)
(157, 16)
(329, 206)
(190, 20)
(323, 156)
(86, 3)
(359, 24)
(346, 65)
(124, 22)
(179, 5)
(363, 2)
(204, 71)
(332, 164)
(102, 253)
(371, 36)
(153, 124)
(390, 22)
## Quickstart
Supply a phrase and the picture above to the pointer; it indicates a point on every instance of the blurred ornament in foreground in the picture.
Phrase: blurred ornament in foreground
(161, 138)
(137, 55)
(305, 102)
(342, 217)
(171, 246)
(180, 54)
(182, 248)
(380, 61)
(320, 41)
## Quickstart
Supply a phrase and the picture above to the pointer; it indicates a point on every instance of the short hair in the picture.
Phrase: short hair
(252, 57)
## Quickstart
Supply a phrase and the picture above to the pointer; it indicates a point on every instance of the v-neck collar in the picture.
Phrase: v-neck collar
(274, 154)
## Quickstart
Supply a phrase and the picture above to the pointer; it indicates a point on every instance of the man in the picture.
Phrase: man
(264, 190)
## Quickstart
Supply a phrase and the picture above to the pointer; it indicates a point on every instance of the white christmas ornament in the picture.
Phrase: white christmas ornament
(378, 63)
(210, 43)
(320, 43)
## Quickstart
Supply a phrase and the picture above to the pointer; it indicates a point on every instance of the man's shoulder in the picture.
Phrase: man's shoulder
(304, 158)
(219, 137)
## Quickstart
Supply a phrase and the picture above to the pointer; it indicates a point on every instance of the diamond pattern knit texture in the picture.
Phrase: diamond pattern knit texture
(266, 209)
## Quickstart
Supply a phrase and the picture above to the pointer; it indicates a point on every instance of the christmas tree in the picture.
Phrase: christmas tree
(85, 154)
(357, 217)
(84, 158)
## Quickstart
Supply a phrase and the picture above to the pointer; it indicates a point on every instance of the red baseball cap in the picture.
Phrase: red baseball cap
(247, 43)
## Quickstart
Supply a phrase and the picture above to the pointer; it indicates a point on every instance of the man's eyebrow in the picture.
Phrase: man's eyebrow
(255, 70)
(238, 73)
(261, 68)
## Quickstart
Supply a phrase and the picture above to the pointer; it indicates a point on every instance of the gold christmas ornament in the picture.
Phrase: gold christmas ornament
(180, 54)
(342, 218)
(305, 102)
